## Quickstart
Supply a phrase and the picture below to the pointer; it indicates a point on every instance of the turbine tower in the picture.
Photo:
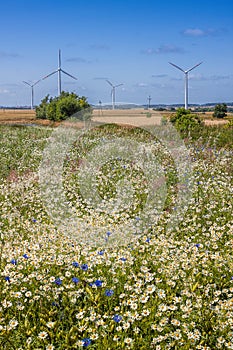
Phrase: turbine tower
(186, 81)
(149, 100)
(59, 70)
(113, 92)
(32, 91)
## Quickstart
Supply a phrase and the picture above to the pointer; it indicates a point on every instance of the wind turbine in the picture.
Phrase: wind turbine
(113, 92)
(59, 70)
(186, 81)
(32, 91)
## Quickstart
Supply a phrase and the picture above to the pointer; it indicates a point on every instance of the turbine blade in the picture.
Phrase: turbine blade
(109, 82)
(176, 67)
(194, 67)
(118, 85)
(36, 82)
(59, 58)
(68, 74)
(49, 74)
(25, 82)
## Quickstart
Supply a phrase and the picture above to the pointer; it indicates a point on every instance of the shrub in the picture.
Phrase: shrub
(61, 107)
(185, 121)
(220, 110)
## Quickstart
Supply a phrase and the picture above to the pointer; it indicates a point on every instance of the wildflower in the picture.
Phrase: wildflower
(13, 323)
(50, 347)
(144, 299)
(50, 324)
(84, 267)
(42, 335)
(7, 278)
(94, 336)
(145, 312)
(75, 264)
(58, 281)
(117, 318)
(176, 335)
(14, 261)
(18, 294)
(101, 252)
(75, 280)
(109, 292)
(161, 293)
(25, 256)
(175, 322)
(150, 289)
(86, 342)
(126, 325)
(98, 283)
(128, 341)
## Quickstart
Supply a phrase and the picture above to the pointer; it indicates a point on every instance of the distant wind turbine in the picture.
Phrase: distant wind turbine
(32, 91)
(59, 70)
(186, 81)
(113, 92)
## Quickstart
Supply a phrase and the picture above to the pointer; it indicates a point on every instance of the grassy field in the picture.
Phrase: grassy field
(128, 267)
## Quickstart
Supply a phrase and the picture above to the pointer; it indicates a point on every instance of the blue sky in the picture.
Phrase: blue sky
(125, 41)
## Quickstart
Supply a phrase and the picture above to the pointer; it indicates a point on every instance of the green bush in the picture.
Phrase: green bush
(185, 121)
(220, 110)
(61, 107)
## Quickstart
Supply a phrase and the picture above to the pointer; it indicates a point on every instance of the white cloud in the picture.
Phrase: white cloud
(163, 49)
(4, 91)
(198, 32)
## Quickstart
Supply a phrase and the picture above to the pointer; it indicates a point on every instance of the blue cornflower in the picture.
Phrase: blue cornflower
(147, 240)
(58, 281)
(14, 262)
(25, 256)
(98, 283)
(84, 267)
(232, 278)
(34, 220)
(7, 278)
(75, 264)
(117, 318)
(108, 233)
(101, 252)
(123, 259)
(109, 292)
(86, 342)
(75, 279)
(197, 245)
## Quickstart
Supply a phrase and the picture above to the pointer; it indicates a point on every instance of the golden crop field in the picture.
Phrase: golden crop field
(135, 117)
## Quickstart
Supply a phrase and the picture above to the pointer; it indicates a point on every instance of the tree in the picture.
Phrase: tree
(61, 107)
(220, 110)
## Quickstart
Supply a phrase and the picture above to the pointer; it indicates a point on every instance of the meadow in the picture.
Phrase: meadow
(130, 277)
